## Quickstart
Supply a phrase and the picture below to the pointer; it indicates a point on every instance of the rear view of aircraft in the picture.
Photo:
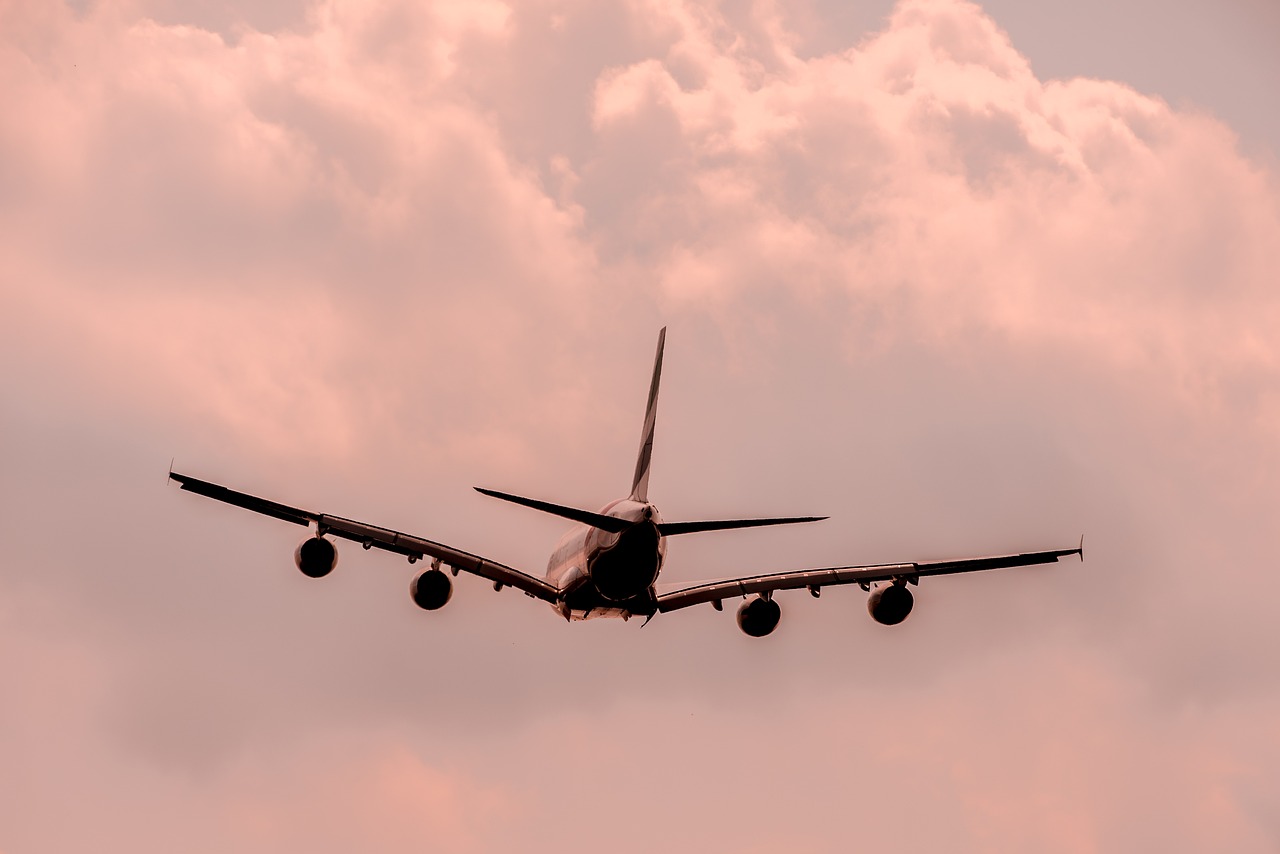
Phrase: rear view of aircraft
(608, 564)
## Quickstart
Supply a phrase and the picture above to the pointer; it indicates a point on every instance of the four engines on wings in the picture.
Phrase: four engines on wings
(607, 574)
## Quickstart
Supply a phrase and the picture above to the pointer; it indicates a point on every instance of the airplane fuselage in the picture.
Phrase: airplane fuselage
(607, 574)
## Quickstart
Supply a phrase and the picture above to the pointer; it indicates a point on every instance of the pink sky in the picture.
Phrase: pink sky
(361, 256)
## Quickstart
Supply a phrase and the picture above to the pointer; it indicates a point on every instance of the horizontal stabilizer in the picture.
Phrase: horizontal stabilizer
(595, 520)
(670, 529)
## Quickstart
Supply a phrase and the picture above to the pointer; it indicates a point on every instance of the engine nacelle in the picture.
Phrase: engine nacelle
(759, 617)
(890, 605)
(431, 590)
(316, 557)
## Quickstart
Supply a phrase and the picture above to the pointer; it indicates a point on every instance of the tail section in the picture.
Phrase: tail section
(640, 483)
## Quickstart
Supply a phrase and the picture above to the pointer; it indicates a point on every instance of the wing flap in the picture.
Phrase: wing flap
(711, 591)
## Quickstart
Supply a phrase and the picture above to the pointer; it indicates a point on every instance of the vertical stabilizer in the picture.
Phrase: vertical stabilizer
(640, 484)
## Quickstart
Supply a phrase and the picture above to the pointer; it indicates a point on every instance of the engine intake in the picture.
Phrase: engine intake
(759, 617)
(431, 590)
(316, 557)
(890, 605)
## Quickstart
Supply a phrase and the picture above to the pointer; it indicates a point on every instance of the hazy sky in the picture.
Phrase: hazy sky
(967, 278)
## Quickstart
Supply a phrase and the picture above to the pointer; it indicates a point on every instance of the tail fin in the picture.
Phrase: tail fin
(640, 483)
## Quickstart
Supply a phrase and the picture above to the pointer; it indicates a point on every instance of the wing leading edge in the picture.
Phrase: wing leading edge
(375, 537)
(713, 591)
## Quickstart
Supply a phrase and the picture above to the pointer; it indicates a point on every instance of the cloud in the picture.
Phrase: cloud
(929, 167)
(392, 250)
(292, 175)
(356, 795)
(925, 174)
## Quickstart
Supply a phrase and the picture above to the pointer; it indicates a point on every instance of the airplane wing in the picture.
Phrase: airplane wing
(682, 596)
(372, 536)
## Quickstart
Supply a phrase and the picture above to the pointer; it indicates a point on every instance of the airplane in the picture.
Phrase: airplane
(609, 563)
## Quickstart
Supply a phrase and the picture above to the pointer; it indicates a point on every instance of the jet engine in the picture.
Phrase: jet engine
(316, 557)
(891, 604)
(759, 617)
(431, 590)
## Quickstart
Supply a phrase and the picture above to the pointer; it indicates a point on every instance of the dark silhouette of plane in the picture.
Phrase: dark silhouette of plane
(608, 564)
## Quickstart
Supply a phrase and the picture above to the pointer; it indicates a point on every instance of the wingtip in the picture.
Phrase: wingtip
(1080, 548)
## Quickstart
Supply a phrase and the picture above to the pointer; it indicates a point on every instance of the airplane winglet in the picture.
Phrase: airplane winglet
(1080, 548)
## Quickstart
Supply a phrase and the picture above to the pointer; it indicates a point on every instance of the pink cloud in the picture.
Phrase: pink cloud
(359, 795)
(955, 175)
(926, 162)
(404, 248)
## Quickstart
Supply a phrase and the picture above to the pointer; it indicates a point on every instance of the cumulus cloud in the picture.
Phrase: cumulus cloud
(929, 170)
(368, 254)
